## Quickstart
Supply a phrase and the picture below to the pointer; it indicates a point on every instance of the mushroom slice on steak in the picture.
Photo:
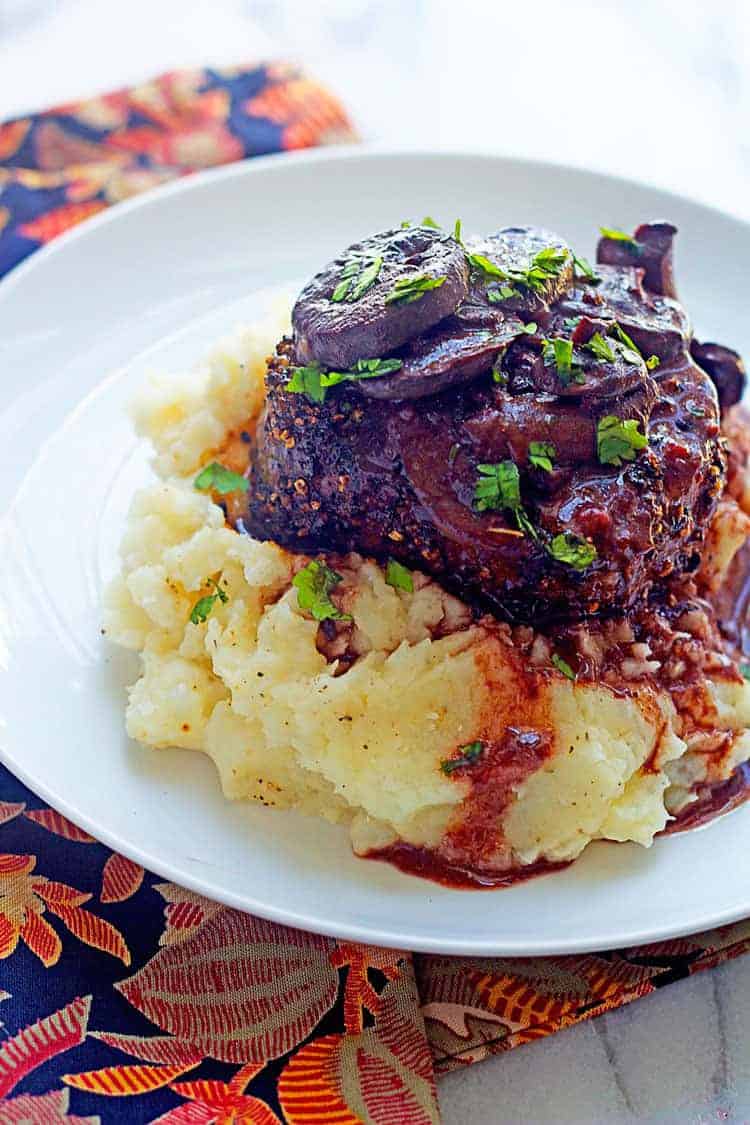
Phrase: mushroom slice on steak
(658, 325)
(449, 355)
(518, 269)
(600, 365)
(726, 369)
(650, 249)
(361, 304)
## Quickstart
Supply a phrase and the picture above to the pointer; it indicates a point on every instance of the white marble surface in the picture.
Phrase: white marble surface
(678, 1057)
(662, 88)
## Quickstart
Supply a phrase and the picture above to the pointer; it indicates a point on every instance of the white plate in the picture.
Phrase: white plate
(151, 283)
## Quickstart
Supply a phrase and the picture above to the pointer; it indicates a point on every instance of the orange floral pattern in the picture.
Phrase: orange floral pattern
(59, 167)
(222, 1017)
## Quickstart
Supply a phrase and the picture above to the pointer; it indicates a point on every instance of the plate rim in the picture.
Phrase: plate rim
(387, 936)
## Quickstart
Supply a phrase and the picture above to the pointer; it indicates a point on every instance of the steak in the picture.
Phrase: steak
(545, 443)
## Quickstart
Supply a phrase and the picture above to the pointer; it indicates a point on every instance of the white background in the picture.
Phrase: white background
(653, 89)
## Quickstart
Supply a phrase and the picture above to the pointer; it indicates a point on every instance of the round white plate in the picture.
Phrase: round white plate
(152, 283)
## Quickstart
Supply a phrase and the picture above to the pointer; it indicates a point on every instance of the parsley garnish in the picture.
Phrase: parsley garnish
(496, 294)
(618, 440)
(484, 265)
(470, 755)
(356, 278)
(563, 666)
(362, 369)
(583, 270)
(428, 221)
(569, 549)
(629, 349)
(399, 577)
(541, 455)
(546, 264)
(408, 289)
(202, 608)
(313, 381)
(600, 348)
(571, 323)
(221, 480)
(314, 584)
(457, 231)
(499, 486)
(306, 381)
(620, 236)
(560, 353)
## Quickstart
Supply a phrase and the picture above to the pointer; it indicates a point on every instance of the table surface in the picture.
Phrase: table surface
(526, 81)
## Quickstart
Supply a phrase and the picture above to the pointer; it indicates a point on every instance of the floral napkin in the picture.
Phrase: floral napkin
(124, 998)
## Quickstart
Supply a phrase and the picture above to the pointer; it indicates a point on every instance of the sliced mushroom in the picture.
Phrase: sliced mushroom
(449, 355)
(650, 249)
(593, 375)
(512, 251)
(726, 369)
(347, 313)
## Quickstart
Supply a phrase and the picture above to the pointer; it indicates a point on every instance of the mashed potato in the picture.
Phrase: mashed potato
(364, 742)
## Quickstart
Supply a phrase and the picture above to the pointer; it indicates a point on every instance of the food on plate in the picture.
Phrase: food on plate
(457, 558)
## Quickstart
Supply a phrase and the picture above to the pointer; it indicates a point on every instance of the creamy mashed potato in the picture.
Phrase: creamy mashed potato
(363, 743)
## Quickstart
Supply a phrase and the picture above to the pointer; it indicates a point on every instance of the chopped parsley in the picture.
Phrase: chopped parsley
(215, 477)
(571, 323)
(615, 235)
(498, 487)
(399, 577)
(541, 455)
(356, 278)
(599, 347)
(583, 270)
(203, 607)
(563, 666)
(362, 369)
(498, 293)
(602, 348)
(469, 756)
(306, 381)
(483, 265)
(409, 289)
(570, 549)
(559, 352)
(314, 381)
(618, 440)
(544, 266)
(629, 349)
(314, 584)
(428, 221)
